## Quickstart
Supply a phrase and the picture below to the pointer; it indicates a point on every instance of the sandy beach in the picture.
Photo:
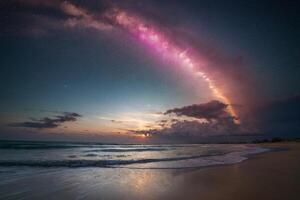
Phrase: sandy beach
(273, 175)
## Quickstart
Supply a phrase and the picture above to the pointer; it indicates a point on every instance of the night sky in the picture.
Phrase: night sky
(146, 71)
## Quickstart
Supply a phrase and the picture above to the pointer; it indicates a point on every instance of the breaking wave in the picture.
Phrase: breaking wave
(170, 162)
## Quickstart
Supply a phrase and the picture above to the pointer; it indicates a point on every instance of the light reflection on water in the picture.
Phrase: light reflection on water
(89, 183)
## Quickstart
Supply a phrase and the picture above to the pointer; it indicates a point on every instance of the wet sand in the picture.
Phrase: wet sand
(273, 175)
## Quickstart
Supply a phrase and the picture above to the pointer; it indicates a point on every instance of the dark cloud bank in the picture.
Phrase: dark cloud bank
(212, 122)
(47, 122)
(279, 117)
(213, 110)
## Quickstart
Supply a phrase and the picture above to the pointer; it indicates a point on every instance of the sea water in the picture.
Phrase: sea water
(50, 170)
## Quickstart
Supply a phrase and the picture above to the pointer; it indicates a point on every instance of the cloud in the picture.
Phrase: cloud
(33, 16)
(278, 116)
(192, 131)
(282, 110)
(73, 10)
(47, 122)
(80, 17)
(213, 110)
(195, 122)
(116, 121)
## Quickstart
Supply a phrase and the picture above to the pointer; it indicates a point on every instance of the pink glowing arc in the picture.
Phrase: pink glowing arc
(169, 49)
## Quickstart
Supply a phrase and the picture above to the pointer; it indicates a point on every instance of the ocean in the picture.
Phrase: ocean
(43, 170)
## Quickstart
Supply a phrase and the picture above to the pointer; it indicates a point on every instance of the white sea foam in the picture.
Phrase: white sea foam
(123, 156)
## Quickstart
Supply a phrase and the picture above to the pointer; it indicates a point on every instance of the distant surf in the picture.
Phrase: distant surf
(45, 155)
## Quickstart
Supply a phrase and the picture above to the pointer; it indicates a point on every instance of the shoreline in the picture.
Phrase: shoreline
(269, 175)
(243, 156)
